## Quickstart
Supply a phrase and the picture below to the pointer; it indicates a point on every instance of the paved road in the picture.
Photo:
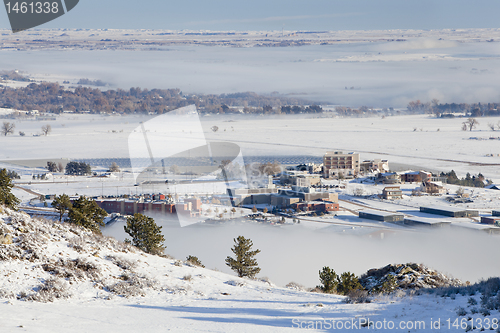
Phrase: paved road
(125, 162)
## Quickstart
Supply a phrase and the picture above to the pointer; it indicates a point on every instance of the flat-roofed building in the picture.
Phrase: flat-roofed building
(252, 196)
(381, 216)
(336, 163)
(300, 178)
(426, 222)
(490, 220)
(450, 211)
(477, 226)
(283, 201)
(131, 207)
(316, 206)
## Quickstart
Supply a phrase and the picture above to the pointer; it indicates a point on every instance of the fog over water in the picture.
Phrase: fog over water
(296, 253)
(381, 74)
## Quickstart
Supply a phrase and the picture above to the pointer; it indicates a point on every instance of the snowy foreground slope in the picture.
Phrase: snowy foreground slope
(60, 278)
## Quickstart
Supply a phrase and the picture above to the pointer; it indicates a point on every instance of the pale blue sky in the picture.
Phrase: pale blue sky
(275, 14)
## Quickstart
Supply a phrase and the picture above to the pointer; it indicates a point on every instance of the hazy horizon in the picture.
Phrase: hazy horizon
(277, 14)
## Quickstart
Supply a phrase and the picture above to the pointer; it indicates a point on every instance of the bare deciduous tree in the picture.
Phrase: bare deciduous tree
(491, 126)
(7, 128)
(174, 169)
(114, 167)
(46, 129)
(470, 123)
(359, 192)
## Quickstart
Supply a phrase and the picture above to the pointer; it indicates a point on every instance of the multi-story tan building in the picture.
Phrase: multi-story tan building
(337, 163)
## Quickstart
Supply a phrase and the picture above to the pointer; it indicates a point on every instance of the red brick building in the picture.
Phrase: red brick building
(316, 206)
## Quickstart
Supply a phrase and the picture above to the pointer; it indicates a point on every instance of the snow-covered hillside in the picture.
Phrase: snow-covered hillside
(58, 278)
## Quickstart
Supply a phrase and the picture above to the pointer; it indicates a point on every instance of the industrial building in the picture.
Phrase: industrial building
(252, 196)
(381, 216)
(450, 211)
(299, 178)
(477, 226)
(426, 222)
(491, 220)
(131, 207)
(316, 206)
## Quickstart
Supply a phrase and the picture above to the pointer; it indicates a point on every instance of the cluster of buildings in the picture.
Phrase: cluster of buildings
(150, 204)
(489, 224)
(299, 189)
(298, 194)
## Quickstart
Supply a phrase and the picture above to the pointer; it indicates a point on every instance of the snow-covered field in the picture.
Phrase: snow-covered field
(436, 144)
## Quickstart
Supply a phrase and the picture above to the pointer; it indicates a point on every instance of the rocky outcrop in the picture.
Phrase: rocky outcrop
(405, 276)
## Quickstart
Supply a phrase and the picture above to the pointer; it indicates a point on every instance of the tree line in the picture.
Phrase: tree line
(446, 110)
(52, 97)
(469, 180)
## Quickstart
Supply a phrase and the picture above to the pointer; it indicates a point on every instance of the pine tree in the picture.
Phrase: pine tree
(194, 261)
(51, 166)
(329, 280)
(86, 213)
(348, 282)
(389, 285)
(61, 203)
(145, 233)
(6, 197)
(244, 264)
(78, 169)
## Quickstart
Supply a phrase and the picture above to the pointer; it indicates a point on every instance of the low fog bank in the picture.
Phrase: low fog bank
(372, 74)
(296, 253)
